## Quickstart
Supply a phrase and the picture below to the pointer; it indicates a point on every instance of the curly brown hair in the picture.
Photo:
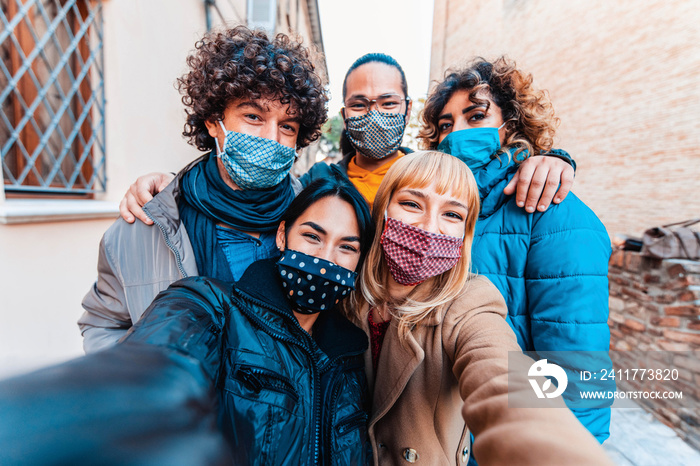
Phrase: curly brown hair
(243, 63)
(528, 112)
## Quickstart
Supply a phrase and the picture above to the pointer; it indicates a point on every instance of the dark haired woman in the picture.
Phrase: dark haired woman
(251, 101)
(292, 377)
(288, 365)
(551, 267)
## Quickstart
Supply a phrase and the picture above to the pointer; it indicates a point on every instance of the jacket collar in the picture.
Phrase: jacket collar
(163, 208)
(347, 157)
(333, 333)
(397, 363)
(491, 180)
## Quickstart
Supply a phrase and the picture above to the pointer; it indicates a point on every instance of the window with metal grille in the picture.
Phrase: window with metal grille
(52, 104)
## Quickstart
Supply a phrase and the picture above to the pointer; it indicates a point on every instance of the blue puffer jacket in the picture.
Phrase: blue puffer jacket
(551, 268)
(288, 398)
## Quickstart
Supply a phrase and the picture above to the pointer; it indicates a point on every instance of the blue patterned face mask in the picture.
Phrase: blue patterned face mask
(376, 134)
(312, 284)
(253, 162)
(473, 146)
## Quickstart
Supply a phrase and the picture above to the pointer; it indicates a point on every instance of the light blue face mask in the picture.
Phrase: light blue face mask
(473, 146)
(253, 162)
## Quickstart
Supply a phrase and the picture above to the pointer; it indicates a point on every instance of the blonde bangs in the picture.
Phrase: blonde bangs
(450, 175)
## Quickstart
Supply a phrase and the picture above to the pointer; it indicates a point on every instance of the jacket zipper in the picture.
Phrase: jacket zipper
(316, 379)
(168, 242)
(317, 417)
(333, 405)
(334, 399)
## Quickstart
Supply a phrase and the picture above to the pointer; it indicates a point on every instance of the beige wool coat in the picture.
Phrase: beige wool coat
(452, 368)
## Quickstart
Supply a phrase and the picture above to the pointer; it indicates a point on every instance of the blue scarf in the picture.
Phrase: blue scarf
(207, 200)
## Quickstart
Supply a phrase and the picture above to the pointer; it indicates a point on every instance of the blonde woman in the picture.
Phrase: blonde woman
(439, 339)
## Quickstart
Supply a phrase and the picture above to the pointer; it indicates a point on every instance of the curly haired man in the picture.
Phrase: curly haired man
(251, 102)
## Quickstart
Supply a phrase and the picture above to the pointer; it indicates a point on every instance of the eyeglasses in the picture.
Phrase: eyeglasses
(387, 103)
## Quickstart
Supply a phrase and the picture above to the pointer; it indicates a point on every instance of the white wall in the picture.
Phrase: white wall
(45, 269)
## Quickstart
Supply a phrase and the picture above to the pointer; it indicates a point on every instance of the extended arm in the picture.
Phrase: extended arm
(478, 341)
(147, 400)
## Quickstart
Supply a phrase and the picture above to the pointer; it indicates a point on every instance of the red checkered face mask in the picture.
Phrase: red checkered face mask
(415, 255)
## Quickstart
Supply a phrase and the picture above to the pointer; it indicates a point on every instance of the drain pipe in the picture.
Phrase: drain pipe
(207, 13)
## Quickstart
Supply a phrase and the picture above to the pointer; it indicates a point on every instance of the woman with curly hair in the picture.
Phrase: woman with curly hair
(251, 101)
(551, 267)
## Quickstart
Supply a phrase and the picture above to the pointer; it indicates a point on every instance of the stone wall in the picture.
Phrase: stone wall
(655, 306)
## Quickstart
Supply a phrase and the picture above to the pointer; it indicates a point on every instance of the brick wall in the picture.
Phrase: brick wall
(655, 306)
(623, 77)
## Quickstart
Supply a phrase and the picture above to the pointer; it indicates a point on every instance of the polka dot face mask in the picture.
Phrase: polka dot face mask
(313, 284)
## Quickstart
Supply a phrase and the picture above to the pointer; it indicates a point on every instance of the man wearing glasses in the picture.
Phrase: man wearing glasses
(376, 112)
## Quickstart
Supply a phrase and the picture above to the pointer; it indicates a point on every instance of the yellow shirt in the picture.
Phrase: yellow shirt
(367, 182)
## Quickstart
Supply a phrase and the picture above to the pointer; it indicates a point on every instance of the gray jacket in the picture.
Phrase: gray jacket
(135, 263)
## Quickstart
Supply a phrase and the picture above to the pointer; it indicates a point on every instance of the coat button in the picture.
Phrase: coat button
(465, 454)
(410, 455)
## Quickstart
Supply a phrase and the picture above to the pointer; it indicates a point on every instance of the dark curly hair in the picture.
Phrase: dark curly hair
(527, 112)
(242, 63)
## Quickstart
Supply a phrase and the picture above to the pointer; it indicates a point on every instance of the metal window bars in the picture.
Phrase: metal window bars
(52, 100)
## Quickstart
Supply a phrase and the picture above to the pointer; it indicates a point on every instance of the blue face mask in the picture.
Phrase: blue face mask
(253, 162)
(473, 146)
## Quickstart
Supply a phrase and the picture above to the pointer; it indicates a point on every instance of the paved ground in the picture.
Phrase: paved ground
(638, 439)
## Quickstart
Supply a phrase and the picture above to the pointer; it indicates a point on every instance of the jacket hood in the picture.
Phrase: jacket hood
(333, 333)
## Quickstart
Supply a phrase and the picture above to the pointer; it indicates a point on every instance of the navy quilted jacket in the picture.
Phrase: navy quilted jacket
(551, 268)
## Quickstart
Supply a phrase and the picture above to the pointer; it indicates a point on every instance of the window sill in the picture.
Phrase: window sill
(16, 211)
